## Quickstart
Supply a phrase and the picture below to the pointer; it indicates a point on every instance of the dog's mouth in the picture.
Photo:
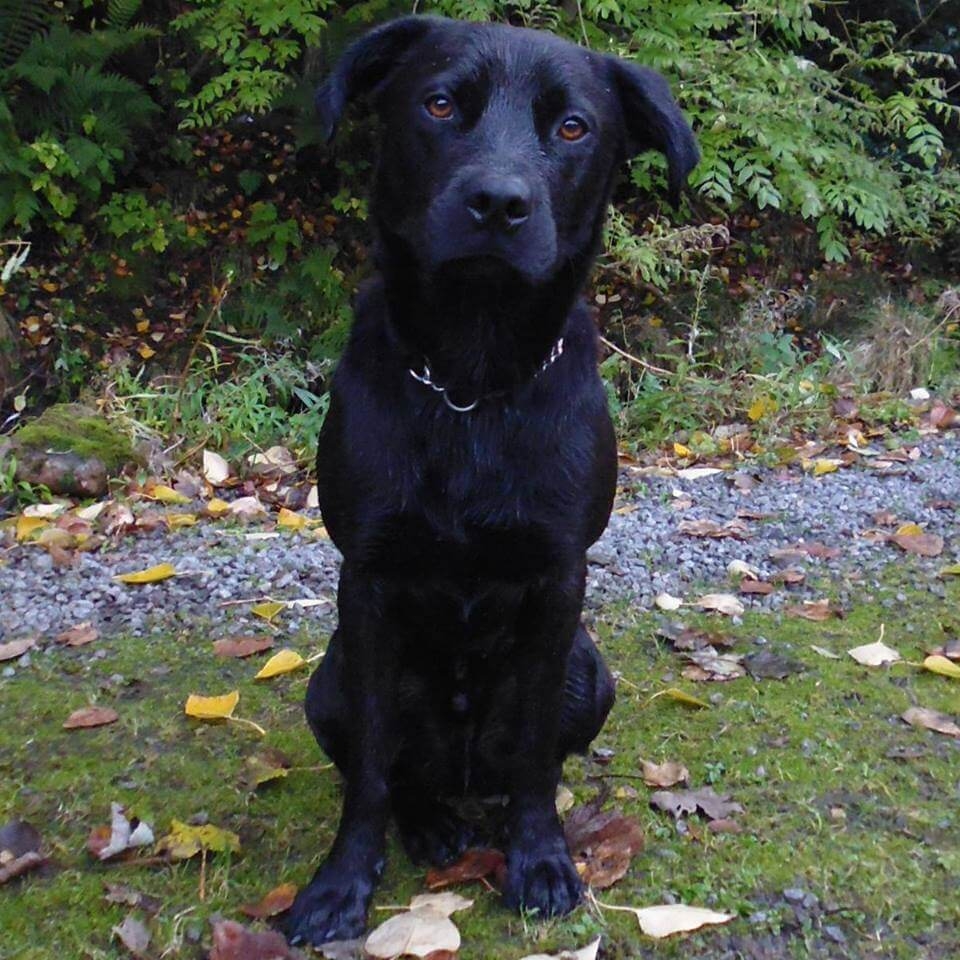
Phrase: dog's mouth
(486, 269)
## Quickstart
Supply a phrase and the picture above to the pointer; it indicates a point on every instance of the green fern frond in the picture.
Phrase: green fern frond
(20, 22)
(120, 13)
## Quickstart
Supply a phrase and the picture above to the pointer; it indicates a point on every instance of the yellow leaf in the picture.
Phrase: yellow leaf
(291, 520)
(952, 571)
(143, 326)
(145, 351)
(681, 451)
(217, 507)
(761, 407)
(284, 661)
(177, 520)
(185, 841)
(672, 693)
(212, 708)
(268, 610)
(165, 494)
(909, 530)
(820, 467)
(27, 526)
(151, 575)
(943, 666)
(320, 533)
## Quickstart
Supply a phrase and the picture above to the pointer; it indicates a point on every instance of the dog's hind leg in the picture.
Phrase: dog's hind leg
(588, 696)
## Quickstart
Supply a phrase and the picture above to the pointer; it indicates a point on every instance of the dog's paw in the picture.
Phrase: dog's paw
(542, 880)
(329, 908)
(437, 839)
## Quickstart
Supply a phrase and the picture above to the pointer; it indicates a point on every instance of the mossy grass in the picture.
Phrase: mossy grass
(841, 798)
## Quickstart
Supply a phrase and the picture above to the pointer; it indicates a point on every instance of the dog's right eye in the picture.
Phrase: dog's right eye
(439, 107)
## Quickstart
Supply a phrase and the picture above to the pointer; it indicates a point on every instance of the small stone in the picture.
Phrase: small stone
(794, 895)
(834, 933)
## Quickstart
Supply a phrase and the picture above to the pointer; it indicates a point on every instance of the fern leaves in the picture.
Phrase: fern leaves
(20, 22)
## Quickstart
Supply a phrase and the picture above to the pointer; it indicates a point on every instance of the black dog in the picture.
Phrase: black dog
(468, 460)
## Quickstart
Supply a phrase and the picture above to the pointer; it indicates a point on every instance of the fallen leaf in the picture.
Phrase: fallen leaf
(186, 840)
(278, 900)
(664, 774)
(27, 526)
(177, 520)
(665, 602)
(284, 661)
(268, 610)
(127, 896)
(931, 720)
(20, 846)
(767, 665)
(133, 935)
(122, 835)
(667, 919)
(474, 865)
(874, 654)
(414, 933)
(212, 708)
(47, 510)
(264, 767)
(816, 610)
(164, 494)
(564, 799)
(698, 473)
(16, 648)
(922, 544)
(602, 844)
(759, 587)
(824, 652)
(724, 603)
(242, 646)
(740, 568)
(90, 717)
(943, 666)
(951, 571)
(735, 529)
(687, 699)
(789, 576)
(216, 470)
(161, 571)
(232, 941)
(290, 520)
(679, 803)
(217, 507)
(78, 635)
(589, 952)
(446, 902)
(710, 665)
(246, 507)
(823, 466)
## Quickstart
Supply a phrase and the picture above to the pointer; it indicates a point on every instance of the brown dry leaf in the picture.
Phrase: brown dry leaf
(789, 576)
(90, 717)
(589, 952)
(233, 941)
(931, 720)
(922, 544)
(242, 646)
(16, 648)
(767, 665)
(760, 587)
(476, 864)
(79, 634)
(680, 803)
(816, 610)
(246, 507)
(724, 603)
(724, 825)
(133, 935)
(735, 529)
(127, 896)
(270, 764)
(20, 845)
(601, 844)
(415, 933)
(710, 665)
(941, 415)
(664, 774)
(278, 900)
(819, 550)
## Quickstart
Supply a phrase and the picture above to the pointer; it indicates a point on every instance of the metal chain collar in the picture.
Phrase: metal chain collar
(426, 378)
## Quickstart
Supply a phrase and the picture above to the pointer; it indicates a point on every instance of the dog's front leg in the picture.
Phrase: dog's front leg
(333, 906)
(540, 874)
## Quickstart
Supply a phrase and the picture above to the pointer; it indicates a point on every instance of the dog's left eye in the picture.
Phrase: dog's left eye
(573, 128)
(439, 107)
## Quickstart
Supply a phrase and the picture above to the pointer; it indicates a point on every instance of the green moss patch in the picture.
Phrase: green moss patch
(72, 428)
(844, 804)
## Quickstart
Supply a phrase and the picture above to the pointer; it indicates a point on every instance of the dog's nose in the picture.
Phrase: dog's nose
(500, 202)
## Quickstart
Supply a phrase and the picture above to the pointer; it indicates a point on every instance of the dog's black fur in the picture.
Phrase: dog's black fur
(460, 666)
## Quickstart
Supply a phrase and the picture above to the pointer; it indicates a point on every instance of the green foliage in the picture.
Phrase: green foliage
(248, 49)
(146, 225)
(68, 124)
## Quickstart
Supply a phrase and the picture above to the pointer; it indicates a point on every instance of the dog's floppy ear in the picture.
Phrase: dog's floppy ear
(365, 64)
(655, 122)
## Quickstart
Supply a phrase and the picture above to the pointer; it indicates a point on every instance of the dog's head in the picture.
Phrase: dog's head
(500, 144)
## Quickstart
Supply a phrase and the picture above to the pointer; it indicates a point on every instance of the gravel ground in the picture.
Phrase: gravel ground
(641, 554)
